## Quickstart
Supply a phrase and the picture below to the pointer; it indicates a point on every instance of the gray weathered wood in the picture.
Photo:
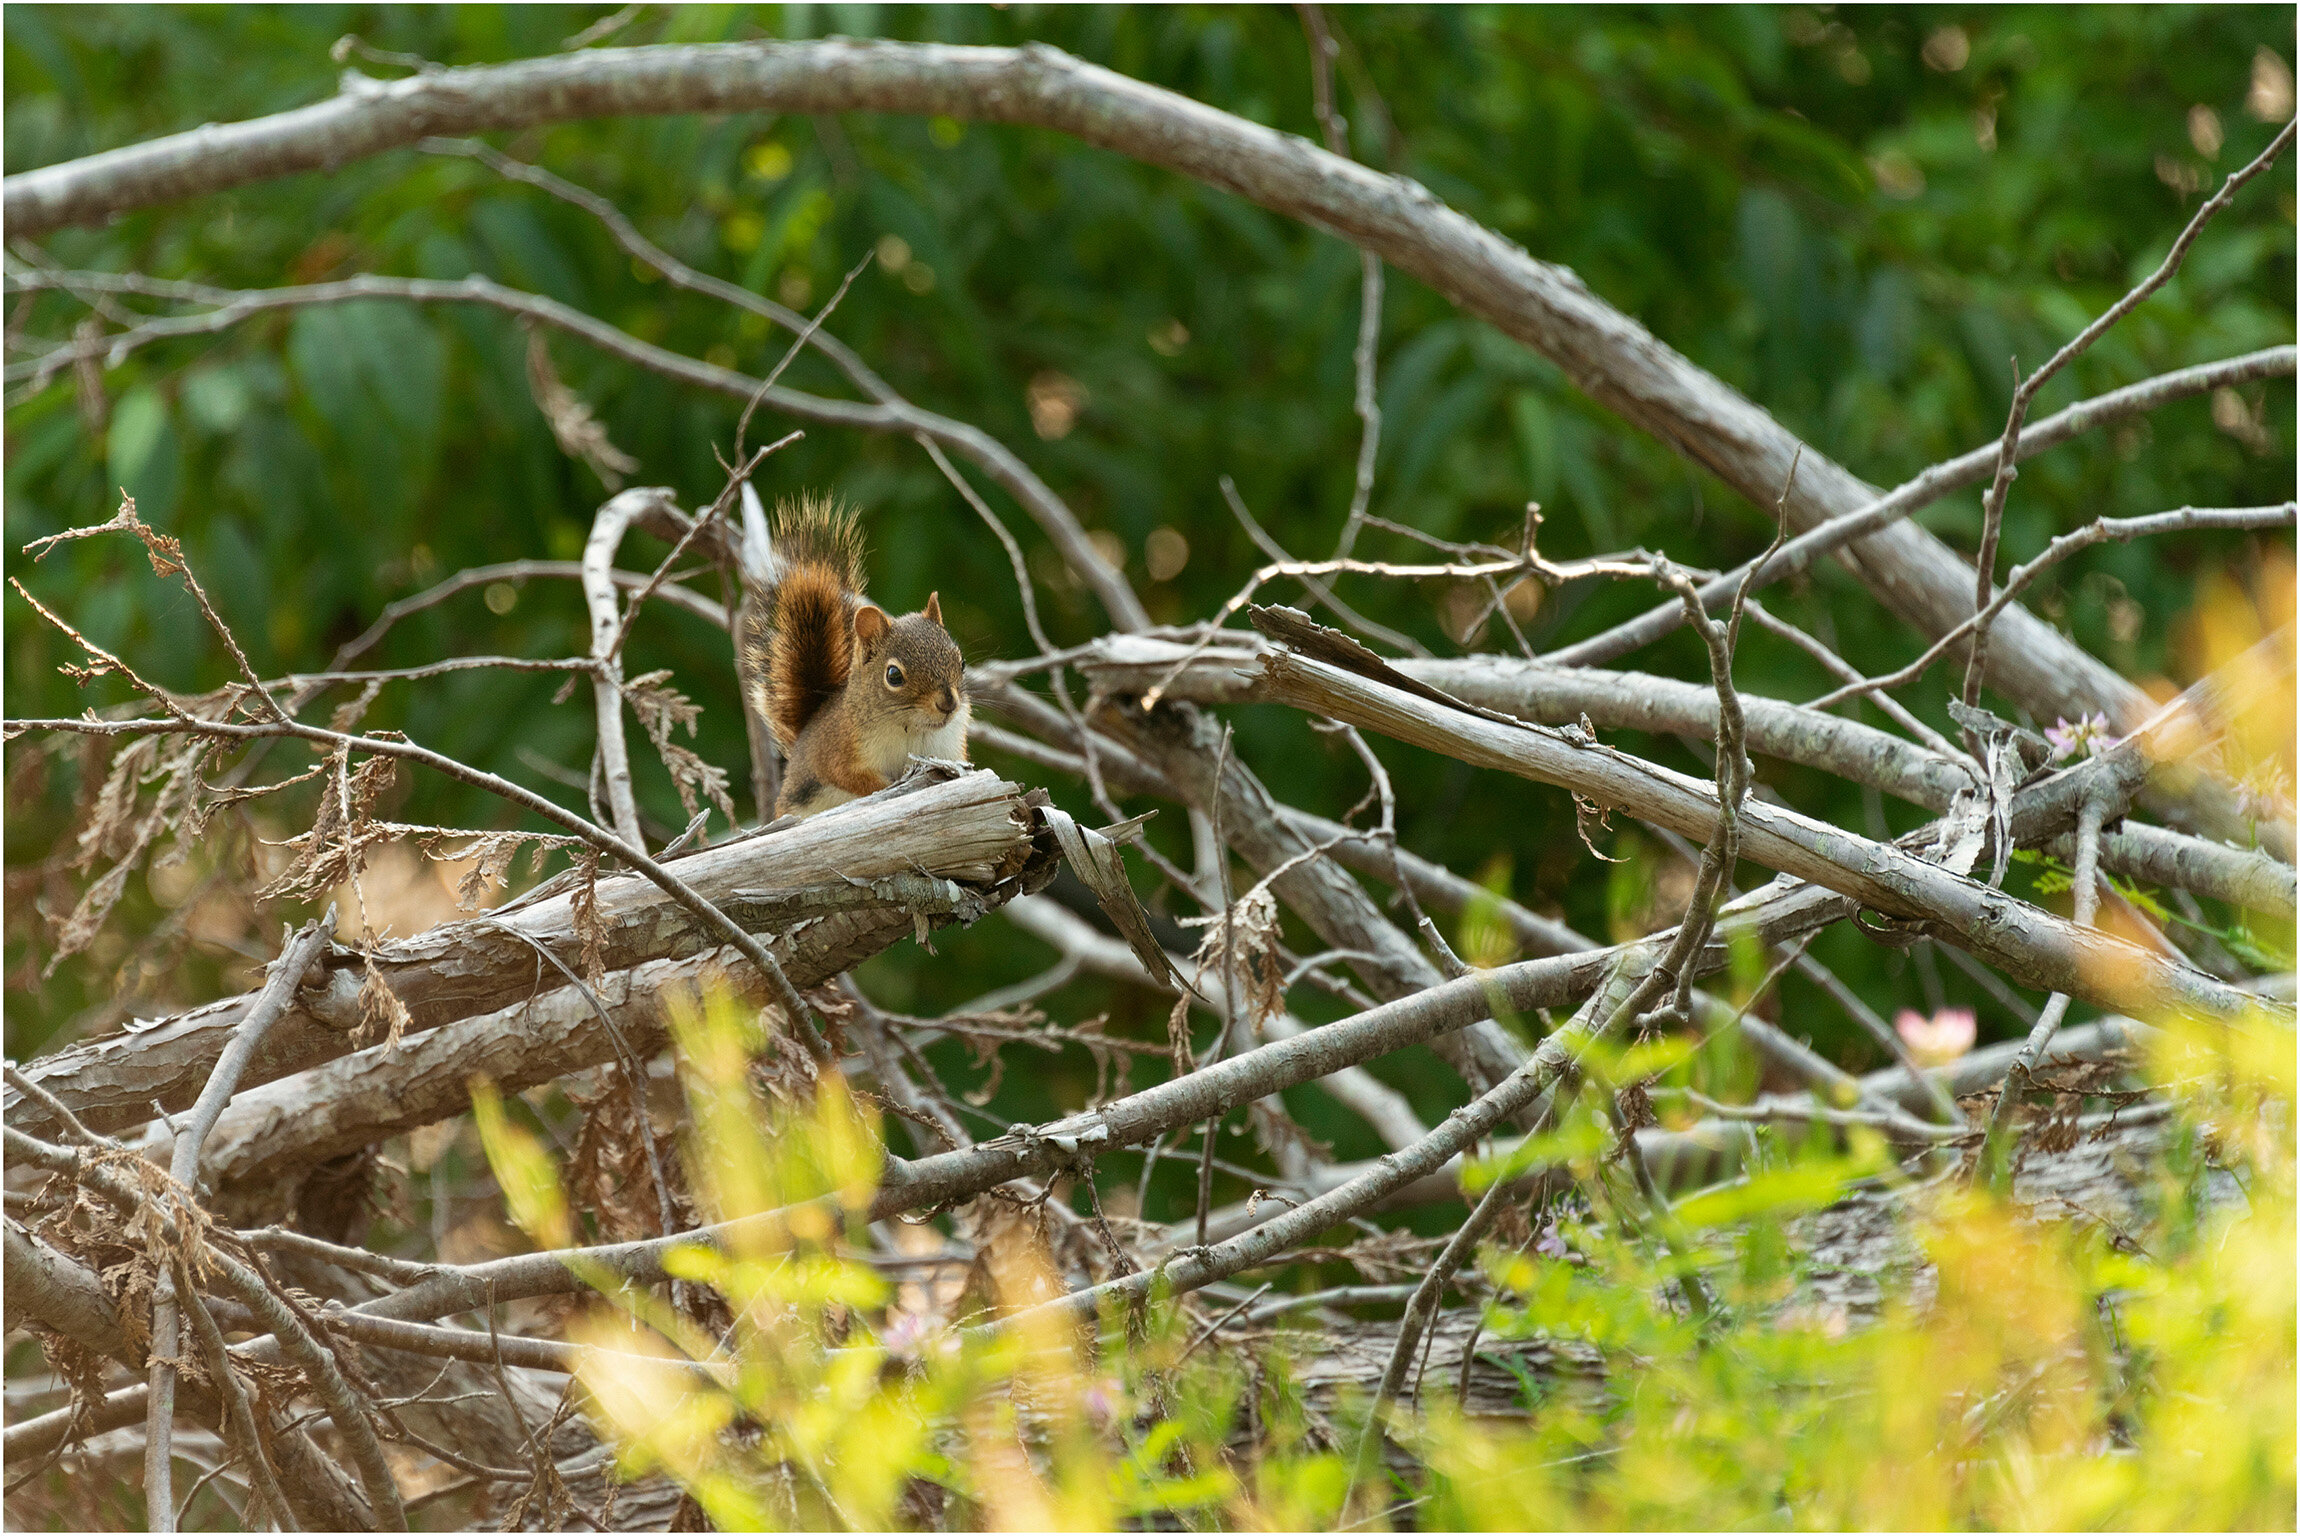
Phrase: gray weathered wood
(975, 829)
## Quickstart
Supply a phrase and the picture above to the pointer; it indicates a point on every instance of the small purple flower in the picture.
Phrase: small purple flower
(1552, 1244)
(2087, 734)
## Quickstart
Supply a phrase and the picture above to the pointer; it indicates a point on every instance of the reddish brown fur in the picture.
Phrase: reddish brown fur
(819, 548)
(849, 692)
(802, 678)
(839, 760)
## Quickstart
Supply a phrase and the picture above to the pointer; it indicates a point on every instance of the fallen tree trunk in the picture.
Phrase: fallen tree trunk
(1855, 1255)
(975, 829)
(357, 1100)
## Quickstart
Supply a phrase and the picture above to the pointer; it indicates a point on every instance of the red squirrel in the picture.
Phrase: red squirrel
(850, 694)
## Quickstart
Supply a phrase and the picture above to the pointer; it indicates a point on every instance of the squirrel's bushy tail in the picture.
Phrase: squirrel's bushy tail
(800, 640)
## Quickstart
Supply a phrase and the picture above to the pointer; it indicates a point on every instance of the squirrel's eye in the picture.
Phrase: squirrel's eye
(893, 675)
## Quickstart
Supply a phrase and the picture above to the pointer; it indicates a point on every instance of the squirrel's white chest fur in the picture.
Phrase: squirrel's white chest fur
(890, 748)
(889, 744)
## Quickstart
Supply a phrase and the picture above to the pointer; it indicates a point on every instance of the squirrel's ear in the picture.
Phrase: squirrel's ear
(871, 623)
(933, 609)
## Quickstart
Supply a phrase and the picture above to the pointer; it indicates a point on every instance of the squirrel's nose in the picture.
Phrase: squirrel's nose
(949, 701)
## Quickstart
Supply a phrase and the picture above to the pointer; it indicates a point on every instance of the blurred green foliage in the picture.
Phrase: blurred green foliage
(2129, 1372)
(1857, 217)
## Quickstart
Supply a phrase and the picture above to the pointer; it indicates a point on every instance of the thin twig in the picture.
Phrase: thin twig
(807, 333)
(1812, 646)
(184, 1171)
(634, 1076)
(1324, 49)
(1321, 592)
(2099, 531)
(367, 1261)
(56, 1107)
(1943, 479)
(1996, 1160)
(263, 1479)
(345, 1408)
(167, 557)
(1419, 1312)
(694, 530)
(1527, 564)
(1229, 979)
(1808, 1113)
(1215, 1326)
(1877, 1029)
(633, 854)
(1993, 501)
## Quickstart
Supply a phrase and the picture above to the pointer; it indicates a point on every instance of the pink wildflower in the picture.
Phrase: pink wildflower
(2086, 734)
(2262, 794)
(909, 1335)
(1939, 1040)
(1105, 1399)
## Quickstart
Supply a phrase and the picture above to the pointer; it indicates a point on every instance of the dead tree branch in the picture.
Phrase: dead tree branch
(975, 830)
(1797, 733)
(2031, 945)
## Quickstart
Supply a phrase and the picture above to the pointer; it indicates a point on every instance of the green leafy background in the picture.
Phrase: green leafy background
(1859, 239)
